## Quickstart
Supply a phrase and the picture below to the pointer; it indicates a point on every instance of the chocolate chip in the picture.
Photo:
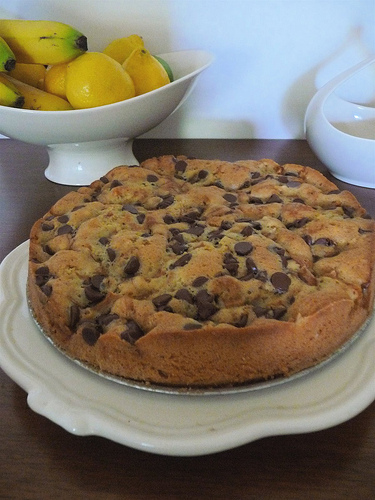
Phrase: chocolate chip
(105, 319)
(278, 312)
(324, 241)
(307, 238)
(141, 218)
(182, 261)
(251, 266)
(47, 290)
(74, 316)
(128, 207)
(180, 166)
(166, 202)
(192, 326)
(132, 332)
(169, 219)
(298, 223)
(205, 306)
(67, 229)
(230, 197)
(63, 219)
(161, 300)
(217, 234)
(97, 280)
(132, 266)
(259, 311)
(47, 226)
(191, 217)
(253, 200)
(281, 282)
(111, 254)
(177, 236)
(115, 183)
(199, 281)
(348, 211)
(104, 179)
(196, 229)
(225, 225)
(274, 199)
(247, 231)
(231, 264)
(48, 250)
(94, 295)
(293, 184)
(42, 271)
(152, 178)
(245, 185)
(202, 174)
(90, 334)
(243, 248)
(103, 240)
(184, 294)
(178, 248)
(242, 321)
(283, 179)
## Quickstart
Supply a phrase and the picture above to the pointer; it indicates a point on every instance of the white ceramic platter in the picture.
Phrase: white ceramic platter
(184, 425)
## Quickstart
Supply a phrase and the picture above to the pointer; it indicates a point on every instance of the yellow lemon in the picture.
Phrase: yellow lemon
(146, 72)
(55, 78)
(95, 79)
(121, 48)
(32, 74)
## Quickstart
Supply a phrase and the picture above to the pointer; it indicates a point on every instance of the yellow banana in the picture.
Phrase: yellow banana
(7, 58)
(42, 42)
(38, 99)
(33, 74)
(10, 95)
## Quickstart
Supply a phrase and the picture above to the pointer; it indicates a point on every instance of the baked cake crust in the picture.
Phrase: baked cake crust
(189, 272)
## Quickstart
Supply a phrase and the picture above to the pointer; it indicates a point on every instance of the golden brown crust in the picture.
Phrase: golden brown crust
(196, 272)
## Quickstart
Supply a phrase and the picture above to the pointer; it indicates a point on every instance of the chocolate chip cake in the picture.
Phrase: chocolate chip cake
(203, 273)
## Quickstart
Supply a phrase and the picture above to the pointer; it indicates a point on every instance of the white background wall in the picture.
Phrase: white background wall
(271, 55)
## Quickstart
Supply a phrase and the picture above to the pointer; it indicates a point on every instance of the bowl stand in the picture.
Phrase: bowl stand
(79, 164)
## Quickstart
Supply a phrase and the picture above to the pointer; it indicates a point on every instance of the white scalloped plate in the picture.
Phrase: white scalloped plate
(85, 404)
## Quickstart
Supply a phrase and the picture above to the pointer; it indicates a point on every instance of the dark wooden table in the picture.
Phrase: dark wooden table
(40, 460)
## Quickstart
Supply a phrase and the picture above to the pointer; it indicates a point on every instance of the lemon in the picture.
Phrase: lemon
(146, 72)
(55, 78)
(167, 68)
(95, 79)
(121, 48)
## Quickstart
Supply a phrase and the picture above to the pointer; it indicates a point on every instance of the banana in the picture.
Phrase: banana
(38, 99)
(33, 74)
(7, 58)
(42, 42)
(10, 95)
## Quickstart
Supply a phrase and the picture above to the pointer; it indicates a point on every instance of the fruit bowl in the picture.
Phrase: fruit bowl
(83, 144)
(341, 132)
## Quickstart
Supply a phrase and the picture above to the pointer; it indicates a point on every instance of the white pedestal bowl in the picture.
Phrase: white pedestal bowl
(84, 144)
(341, 132)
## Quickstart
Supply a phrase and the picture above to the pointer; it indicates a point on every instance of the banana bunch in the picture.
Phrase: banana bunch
(26, 47)
(42, 42)
(9, 94)
(7, 57)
